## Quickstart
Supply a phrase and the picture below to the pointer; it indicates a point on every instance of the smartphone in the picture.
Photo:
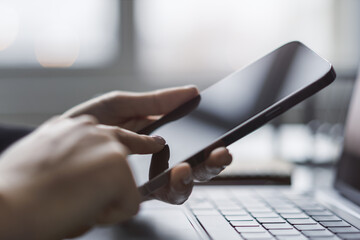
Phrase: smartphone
(237, 105)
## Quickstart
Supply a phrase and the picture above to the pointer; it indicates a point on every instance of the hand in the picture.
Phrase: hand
(62, 178)
(134, 111)
(179, 188)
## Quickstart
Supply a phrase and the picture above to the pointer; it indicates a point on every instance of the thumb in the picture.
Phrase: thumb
(136, 143)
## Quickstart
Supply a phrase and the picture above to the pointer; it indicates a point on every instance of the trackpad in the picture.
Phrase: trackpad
(162, 223)
(155, 220)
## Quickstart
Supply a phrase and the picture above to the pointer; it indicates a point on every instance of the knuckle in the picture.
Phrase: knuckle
(87, 119)
(91, 131)
(119, 132)
(53, 119)
(116, 159)
(113, 94)
(120, 150)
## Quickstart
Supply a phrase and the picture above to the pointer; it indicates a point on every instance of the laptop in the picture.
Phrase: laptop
(259, 212)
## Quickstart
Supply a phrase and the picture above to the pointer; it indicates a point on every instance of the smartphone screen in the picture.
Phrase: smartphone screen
(237, 98)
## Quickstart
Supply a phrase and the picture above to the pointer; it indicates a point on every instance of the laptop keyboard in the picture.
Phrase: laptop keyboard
(245, 214)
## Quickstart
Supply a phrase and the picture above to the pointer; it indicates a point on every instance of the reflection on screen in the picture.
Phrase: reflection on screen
(238, 97)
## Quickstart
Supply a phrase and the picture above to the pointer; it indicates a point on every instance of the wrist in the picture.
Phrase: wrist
(8, 221)
(14, 220)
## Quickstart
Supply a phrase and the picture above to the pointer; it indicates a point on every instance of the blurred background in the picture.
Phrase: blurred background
(55, 54)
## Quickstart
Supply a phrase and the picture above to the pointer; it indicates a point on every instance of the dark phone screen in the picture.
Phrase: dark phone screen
(238, 97)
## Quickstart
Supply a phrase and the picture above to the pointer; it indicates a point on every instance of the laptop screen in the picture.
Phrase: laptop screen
(348, 175)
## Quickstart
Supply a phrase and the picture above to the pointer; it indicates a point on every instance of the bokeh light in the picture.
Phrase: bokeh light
(57, 47)
(58, 33)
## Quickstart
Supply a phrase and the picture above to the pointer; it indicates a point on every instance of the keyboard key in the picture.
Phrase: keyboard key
(250, 223)
(275, 204)
(271, 220)
(327, 218)
(301, 200)
(285, 232)
(218, 228)
(344, 230)
(224, 202)
(335, 224)
(228, 207)
(201, 205)
(250, 229)
(239, 218)
(294, 215)
(309, 227)
(260, 210)
(278, 226)
(264, 215)
(288, 210)
(234, 213)
(253, 204)
(311, 207)
(319, 213)
(284, 206)
(350, 236)
(291, 237)
(325, 238)
(257, 236)
(202, 212)
(318, 233)
(301, 221)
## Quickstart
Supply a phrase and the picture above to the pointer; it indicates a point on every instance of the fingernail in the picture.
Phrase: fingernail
(187, 179)
(159, 139)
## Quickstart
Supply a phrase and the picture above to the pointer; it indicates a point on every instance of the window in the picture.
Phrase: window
(208, 36)
(58, 33)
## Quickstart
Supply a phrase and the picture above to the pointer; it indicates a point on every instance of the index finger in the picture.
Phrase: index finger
(157, 102)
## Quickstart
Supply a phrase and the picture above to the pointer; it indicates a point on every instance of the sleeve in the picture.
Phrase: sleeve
(10, 134)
